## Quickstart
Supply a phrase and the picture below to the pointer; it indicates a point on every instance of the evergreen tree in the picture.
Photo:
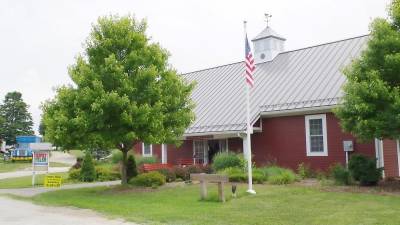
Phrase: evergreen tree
(88, 171)
(16, 118)
(131, 170)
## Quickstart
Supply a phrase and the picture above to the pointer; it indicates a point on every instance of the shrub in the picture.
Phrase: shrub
(239, 175)
(88, 172)
(340, 175)
(74, 174)
(207, 169)
(305, 171)
(169, 174)
(235, 174)
(106, 174)
(258, 176)
(131, 169)
(278, 175)
(363, 169)
(285, 177)
(181, 172)
(140, 160)
(194, 169)
(225, 160)
(150, 179)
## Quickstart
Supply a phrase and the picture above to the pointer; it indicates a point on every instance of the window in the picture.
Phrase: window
(316, 138)
(147, 149)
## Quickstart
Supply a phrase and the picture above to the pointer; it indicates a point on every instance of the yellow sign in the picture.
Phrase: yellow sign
(52, 181)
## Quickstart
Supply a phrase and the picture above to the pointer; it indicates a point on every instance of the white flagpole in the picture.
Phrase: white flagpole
(248, 138)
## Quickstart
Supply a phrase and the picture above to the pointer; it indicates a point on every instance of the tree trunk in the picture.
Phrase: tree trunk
(124, 178)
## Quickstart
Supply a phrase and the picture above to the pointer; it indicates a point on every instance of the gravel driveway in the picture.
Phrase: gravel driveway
(15, 212)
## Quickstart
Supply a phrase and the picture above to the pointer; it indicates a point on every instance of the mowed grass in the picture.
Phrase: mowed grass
(77, 153)
(26, 181)
(272, 205)
(13, 166)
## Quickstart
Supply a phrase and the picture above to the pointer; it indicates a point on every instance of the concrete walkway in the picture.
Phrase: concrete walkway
(14, 212)
(29, 192)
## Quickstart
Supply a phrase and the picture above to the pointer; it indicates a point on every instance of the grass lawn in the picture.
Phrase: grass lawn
(14, 166)
(272, 205)
(26, 181)
(77, 153)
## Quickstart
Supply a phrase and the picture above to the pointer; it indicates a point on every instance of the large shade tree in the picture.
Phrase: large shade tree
(371, 105)
(15, 118)
(124, 92)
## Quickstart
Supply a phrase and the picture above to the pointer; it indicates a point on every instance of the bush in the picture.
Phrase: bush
(74, 174)
(340, 175)
(285, 177)
(88, 172)
(194, 169)
(363, 169)
(181, 172)
(305, 171)
(106, 174)
(131, 169)
(278, 175)
(169, 174)
(238, 175)
(140, 160)
(225, 160)
(150, 179)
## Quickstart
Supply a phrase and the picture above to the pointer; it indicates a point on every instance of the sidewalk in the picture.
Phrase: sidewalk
(29, 192)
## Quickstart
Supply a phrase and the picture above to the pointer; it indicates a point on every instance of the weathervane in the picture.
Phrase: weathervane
(267, 18)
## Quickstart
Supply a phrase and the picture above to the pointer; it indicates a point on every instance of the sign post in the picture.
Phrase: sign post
(40, 158)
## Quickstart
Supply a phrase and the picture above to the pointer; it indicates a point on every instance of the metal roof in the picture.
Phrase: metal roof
(303, 78)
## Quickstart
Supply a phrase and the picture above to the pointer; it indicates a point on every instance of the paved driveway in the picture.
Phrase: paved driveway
(15, 212)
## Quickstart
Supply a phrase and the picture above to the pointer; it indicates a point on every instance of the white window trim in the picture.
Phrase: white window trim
(151, 150)
(324, 132)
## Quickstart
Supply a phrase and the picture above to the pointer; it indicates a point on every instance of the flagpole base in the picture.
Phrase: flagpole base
(251, 191)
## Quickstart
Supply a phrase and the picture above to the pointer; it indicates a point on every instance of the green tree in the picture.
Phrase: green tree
(88, 171)
(16, 118)
(125, 92)
(131, 169)
(371, 105)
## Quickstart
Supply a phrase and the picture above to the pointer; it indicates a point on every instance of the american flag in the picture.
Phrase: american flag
(250, 67)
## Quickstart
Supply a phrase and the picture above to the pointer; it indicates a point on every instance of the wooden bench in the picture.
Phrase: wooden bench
(185, 162)
(155, 166)
(212, 178)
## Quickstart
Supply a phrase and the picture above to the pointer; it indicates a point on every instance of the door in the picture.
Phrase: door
(200, 152)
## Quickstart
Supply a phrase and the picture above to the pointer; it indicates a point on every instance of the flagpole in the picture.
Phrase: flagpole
(248, 138)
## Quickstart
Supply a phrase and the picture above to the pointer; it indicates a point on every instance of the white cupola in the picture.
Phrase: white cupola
(267, 45)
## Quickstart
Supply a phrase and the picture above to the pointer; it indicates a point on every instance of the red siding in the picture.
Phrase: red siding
(283, 140)
(156, 150)
(390, 158)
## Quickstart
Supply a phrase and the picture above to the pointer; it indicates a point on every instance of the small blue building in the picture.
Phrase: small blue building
(22, 150)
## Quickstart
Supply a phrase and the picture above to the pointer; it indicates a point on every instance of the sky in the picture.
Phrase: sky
(39, 39)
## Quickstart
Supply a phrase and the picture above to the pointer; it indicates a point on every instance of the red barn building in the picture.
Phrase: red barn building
(291, 109)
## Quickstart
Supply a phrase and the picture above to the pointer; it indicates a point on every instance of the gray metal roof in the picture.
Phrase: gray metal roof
(303, 78)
